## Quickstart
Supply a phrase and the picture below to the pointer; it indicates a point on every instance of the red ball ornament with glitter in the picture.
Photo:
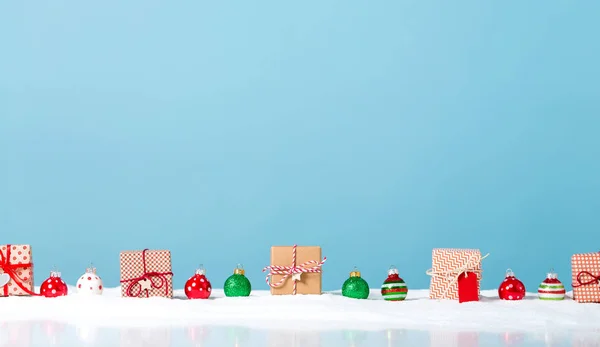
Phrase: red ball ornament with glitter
(511, 288)
(54, 286)
(198, 286)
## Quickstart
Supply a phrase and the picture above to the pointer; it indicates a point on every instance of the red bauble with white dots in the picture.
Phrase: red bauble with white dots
(54, 286)
(511, 288)
(198, 286)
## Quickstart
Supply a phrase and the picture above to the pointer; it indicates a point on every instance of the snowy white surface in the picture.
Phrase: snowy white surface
(329, 311)
(153, 319)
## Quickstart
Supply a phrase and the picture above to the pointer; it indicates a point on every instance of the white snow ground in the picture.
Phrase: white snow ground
(294, 321)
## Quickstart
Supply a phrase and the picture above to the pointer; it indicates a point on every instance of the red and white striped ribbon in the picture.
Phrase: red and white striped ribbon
(286, 271)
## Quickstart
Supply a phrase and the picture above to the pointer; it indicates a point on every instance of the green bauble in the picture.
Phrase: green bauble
(237, 284)
(355, 287)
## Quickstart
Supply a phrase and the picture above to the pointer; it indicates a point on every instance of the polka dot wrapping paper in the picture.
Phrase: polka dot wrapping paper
(146, 273)
(12, 257)
(586, 277)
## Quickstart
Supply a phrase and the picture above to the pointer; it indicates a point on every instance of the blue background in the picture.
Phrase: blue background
(378, 130)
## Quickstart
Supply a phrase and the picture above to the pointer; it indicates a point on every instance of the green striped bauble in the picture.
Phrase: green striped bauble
(551, 288)
(394, 288)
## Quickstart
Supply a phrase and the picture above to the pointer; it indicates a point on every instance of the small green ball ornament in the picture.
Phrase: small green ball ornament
(355, 287)
(237, 284)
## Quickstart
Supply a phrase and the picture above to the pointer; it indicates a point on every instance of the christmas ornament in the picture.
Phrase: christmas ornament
(237, 284)
(355, 287)
(54, 286)
(394, 288)
(198, 286)
(89, 282)
(511, 288)
(551, 288)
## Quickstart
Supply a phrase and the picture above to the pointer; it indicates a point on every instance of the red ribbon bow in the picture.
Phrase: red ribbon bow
(10, 270)
(594, 279)
(157, 280)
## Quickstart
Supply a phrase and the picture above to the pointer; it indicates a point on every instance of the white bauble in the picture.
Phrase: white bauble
(90, 283)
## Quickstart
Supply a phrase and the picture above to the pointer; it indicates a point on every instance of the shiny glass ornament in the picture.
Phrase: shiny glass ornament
(237, 284)
(355, 287)
(198, 286)
(551, 288)
(511, 288)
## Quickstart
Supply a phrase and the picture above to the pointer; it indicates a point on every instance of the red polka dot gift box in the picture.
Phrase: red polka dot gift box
(586, 277)
(146, 273)
(16, 270)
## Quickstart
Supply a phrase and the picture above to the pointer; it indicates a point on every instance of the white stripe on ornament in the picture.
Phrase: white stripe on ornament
(394, 296)
(545, 295)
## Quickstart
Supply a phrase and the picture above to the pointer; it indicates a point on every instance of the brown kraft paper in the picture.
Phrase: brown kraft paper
(309, 283)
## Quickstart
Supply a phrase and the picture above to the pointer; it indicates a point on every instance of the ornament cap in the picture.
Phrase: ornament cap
(201, 270)
(239, 270)
(91, 269)
(552, 275)
(510, 273)
(355, 272)
(54, 272)
(393, 271)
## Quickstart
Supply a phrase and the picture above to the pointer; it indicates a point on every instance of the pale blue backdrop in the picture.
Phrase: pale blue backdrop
(378, 130)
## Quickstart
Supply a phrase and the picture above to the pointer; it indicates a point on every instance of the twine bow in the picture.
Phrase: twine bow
(11, 271)
(147, 281)
(454, 274)
(294, 270)
(594, 279)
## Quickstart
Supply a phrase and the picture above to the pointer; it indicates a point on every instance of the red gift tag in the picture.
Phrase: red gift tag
(467, 287)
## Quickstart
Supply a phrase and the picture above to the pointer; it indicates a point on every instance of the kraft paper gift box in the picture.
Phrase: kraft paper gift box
(453, 339)
(16, 270)
(294, 339)
(586, 277)
(455, 274)
(146, 273)
(295, 270)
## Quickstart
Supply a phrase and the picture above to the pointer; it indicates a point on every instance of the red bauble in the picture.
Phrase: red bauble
(198, 286)
(54, 286)
(511, 288)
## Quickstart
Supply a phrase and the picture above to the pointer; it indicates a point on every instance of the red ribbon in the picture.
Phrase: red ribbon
(595, 279)
(150, 276)
(10, 270)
